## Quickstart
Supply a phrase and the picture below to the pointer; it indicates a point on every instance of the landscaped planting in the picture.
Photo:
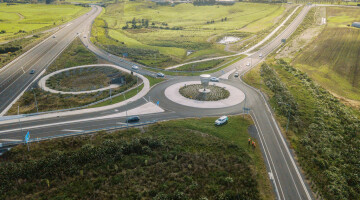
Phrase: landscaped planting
(216, 93)
(84, 79)
(184, 159)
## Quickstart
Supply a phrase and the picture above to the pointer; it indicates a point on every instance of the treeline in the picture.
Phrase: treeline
(145, 23)
(328, 145)
(211, 2)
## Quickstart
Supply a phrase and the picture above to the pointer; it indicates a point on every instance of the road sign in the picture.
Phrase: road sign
(223, 71)
(157, 103)
(27, 137)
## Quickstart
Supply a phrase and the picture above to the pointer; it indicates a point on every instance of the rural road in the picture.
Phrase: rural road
(284, 172)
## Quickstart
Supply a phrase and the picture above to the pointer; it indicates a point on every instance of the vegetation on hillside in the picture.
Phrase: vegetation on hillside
(323, 132)
(185, 159)
(76, 54)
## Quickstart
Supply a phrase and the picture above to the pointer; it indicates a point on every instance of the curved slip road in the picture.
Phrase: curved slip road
(283, 170)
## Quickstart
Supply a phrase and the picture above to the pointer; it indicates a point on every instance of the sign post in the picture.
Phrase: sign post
(27, 138)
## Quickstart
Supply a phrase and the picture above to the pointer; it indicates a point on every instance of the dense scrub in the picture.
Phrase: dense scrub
(172, 160)
(327, 132)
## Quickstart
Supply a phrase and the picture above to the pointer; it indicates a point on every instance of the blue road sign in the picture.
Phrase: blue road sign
(223, 71)
(157, 103)
(27, 137)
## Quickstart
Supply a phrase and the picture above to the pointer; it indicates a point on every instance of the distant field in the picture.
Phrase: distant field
(333, 60)
(161, 35)
(32, 17)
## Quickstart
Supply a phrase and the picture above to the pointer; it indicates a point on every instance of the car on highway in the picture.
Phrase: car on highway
(159, 74)
(260, 55)
(54, 36)
(135, 67)
(236, 74)
(84, 36)
(32, 71)
(222, 120)
(214, 79)
(133, 119)
(248, 64)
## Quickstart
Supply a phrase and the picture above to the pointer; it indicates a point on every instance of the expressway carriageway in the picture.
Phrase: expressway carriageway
(285, 174)
(15, 77)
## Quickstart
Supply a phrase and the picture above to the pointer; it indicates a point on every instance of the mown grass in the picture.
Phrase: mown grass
(163, 47)
(34, 17)
(154, 80)
(332, 59)
(322, 131)
(179, 159)
(119, 98)
(76, 54)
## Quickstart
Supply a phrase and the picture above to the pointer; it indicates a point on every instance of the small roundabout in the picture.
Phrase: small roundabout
(204, 94)
(88, 79)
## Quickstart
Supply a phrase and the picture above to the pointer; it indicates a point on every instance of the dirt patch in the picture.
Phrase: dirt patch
(349, 102)
(305, 38)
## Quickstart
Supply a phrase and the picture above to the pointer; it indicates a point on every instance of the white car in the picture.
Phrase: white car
(214, 79)
(222, 120)
(248, 64)
(135, 67)
(159, 74)
(236, 74)
(260, 55)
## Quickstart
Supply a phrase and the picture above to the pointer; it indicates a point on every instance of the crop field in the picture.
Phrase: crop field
(160, 36)
(333, 60)
(179, 159)
(21, 19)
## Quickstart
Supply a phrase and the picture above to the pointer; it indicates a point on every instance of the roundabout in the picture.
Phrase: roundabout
(236, 96)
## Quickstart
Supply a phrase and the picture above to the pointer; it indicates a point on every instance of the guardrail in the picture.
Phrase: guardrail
(128, 125)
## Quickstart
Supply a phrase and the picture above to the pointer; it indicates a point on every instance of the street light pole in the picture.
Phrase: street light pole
(37, 109)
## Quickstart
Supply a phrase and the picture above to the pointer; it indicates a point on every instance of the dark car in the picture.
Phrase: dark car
(32, 71)
(132, 119)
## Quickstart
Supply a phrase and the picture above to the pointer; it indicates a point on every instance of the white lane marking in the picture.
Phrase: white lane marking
(271, 163)
(23, 69)
(11, 140)
(148, 108)
(116, 110)
(145, 99)
(289, 154)
(71, 130)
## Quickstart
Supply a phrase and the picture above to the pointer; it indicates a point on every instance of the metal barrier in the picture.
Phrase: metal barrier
(128, 125)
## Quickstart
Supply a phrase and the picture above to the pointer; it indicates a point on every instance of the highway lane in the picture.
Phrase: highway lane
(15, 77)
(288, 181)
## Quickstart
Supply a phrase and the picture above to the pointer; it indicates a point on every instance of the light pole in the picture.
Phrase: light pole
(127, 122)
(287, 124)
(37, 109)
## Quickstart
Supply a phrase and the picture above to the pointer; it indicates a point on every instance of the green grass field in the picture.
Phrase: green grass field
(333, 58)
(172, 31)
(178, 159)
(34, 17)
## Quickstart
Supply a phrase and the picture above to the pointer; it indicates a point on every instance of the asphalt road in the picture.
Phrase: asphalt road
(15, 77)
(285, 174)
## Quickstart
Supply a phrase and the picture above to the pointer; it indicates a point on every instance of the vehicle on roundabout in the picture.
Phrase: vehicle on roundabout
(159, 74)
(132, 119)
(236, 74)
(214, 79)
(221, 121)
(135, 67)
